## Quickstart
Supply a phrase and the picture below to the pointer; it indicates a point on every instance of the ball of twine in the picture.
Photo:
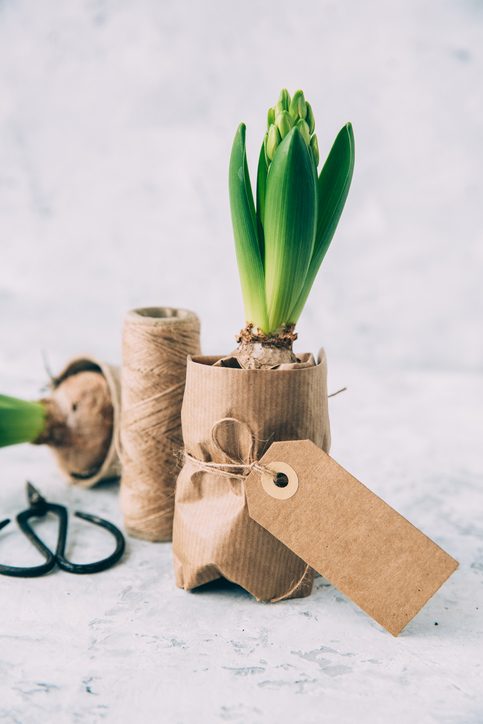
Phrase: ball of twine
(156, 343)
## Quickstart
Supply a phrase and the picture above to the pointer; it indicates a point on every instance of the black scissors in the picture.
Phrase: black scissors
(39, 507)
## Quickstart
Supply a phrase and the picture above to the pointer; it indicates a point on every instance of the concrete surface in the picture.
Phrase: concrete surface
(116, 120)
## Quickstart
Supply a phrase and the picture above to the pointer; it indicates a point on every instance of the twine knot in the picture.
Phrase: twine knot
(234, 468)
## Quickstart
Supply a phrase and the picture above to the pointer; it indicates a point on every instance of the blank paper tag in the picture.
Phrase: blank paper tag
(346, 533)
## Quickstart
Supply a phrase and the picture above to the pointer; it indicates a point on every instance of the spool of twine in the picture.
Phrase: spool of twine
(156, 343)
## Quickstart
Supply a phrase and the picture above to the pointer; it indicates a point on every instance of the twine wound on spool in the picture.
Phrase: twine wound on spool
(156, 343)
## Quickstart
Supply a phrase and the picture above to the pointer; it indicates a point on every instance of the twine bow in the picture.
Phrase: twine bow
(238, 469)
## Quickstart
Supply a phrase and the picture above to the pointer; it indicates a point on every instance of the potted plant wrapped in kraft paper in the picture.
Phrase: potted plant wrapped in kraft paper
(78, 421)
(234, 407)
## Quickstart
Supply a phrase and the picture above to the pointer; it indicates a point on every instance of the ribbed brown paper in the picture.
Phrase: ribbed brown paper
(213, 534)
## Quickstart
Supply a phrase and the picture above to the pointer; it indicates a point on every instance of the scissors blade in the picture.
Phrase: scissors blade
(35, 499)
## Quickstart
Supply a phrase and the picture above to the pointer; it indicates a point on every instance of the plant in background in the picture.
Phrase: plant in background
(76, 420)
(281, 242)
(20, 421)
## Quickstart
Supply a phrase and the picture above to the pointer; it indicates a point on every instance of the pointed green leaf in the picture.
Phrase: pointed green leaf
(332, 190)
(261, 191)
(289, 224)
(245, 229)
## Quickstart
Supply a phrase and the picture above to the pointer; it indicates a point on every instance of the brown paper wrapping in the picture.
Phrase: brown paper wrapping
(111, 467)
(213, 534)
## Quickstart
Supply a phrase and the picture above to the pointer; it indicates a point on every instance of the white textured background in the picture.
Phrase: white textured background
(116, 122)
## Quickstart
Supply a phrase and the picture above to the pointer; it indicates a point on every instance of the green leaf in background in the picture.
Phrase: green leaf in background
(290, 220)
(245, 228)
(332, 189)
(20, 421)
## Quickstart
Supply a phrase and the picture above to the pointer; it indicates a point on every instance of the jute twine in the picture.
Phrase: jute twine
(156, 343)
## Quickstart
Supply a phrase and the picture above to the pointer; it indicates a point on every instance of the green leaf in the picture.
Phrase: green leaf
(20, 421)
(245, 229)
(332, 190)
(261, 191)
(289, 225)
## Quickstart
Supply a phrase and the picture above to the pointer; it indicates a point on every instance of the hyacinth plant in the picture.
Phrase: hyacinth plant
(75, 421)
(282, 239)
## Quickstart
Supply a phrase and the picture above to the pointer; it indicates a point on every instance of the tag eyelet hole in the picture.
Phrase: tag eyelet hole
(280, 480)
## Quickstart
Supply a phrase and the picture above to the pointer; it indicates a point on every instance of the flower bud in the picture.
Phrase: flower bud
(265, 141)
(284, 123)
(304, 130)
(298, 106)
(284, 99)
(270, 117)
(310, 118)
(314, 147)
(272, 141)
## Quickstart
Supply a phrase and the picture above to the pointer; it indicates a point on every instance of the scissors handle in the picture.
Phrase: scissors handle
(96, 566)
(44, 550)
(40, 508)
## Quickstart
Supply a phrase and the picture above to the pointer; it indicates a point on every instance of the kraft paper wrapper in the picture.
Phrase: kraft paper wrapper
(111, 467)
(213, 534)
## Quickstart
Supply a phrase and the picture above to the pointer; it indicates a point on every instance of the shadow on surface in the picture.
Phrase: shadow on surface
(223, 586)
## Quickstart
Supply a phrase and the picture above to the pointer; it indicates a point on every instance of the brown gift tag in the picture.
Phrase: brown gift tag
(346, 533)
